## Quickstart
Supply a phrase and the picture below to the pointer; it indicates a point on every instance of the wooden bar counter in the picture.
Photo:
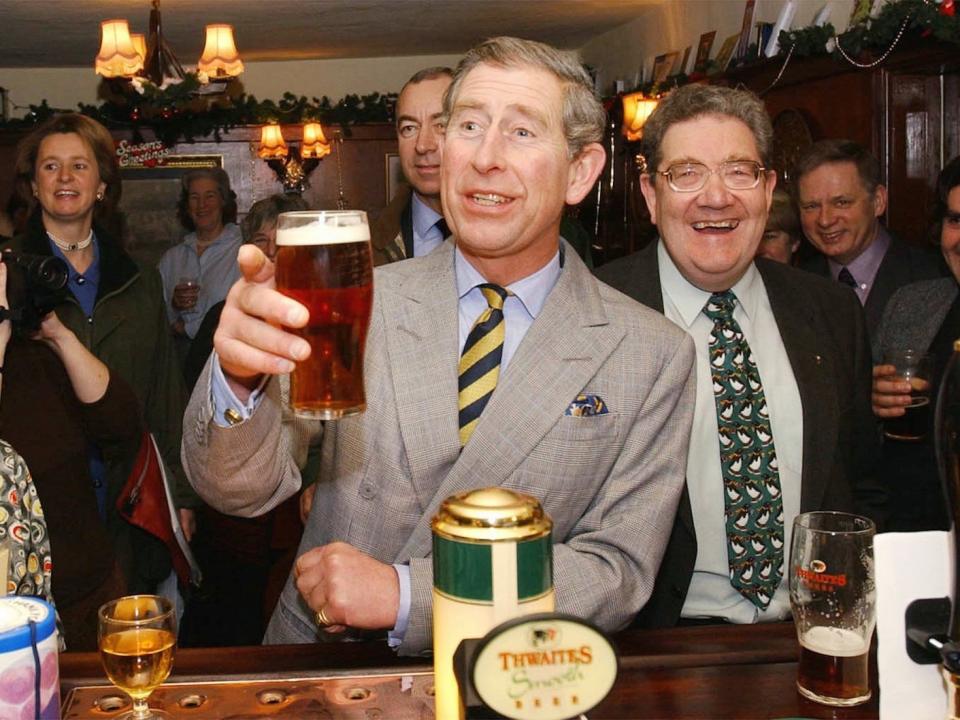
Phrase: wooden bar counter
(707, 672)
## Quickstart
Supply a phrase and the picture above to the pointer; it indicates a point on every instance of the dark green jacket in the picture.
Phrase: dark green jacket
(129, 333)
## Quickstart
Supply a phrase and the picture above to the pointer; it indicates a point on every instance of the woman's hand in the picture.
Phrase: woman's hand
(54, 333)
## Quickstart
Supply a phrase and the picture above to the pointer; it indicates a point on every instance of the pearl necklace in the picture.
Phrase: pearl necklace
(70, 247)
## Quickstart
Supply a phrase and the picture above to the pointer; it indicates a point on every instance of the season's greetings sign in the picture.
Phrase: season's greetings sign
(142, 155)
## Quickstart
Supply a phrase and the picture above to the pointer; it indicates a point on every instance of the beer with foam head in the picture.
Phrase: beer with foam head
(324, 262)
(833, 665)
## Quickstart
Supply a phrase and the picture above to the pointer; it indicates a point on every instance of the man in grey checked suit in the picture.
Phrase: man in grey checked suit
(591, 413)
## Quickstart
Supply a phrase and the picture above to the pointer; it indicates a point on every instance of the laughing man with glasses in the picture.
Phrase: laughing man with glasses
(782, 421)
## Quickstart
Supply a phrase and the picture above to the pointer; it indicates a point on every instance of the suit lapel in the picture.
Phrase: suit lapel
(421, 329)
(561, 351)
(814, 372)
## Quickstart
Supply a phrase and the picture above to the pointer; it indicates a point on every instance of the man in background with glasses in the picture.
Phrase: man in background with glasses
(782, 419)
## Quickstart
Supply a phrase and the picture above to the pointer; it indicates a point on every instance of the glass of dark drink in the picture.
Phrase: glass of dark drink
(833, 598)
(916, 368)
(324, 262)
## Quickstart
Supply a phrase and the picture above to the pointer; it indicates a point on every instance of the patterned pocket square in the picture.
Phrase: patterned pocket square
(587, 406)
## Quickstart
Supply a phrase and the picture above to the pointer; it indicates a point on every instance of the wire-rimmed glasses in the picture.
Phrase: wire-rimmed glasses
(692, 176)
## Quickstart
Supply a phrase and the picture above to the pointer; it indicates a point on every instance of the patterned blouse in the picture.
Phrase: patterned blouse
(23, 530)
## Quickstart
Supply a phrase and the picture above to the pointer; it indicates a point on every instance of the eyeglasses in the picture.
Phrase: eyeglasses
(735, 174)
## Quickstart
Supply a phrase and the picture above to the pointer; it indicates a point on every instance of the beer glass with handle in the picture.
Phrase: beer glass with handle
(324, 262)
(833, 598)
(137, 637)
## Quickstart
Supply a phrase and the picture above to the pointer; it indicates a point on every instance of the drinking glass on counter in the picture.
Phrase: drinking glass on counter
(137, 638)
(916, 368)
(324, 262)
(833, 598)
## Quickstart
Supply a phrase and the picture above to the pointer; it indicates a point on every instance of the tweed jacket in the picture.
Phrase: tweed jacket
(610, 482)
(391, 230)
(914, 315)
(902, 264)
(822, 327)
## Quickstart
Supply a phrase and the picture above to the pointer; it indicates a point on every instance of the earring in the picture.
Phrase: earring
(99, 195)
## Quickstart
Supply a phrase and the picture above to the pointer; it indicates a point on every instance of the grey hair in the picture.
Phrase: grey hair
(265, 211)
(694, 101)
(583, 115)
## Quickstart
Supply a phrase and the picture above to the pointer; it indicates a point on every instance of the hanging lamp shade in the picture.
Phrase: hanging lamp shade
(314, 143)
(636, 110)
(220, 58)
(139, 45)
(117, 56)
(271, 143)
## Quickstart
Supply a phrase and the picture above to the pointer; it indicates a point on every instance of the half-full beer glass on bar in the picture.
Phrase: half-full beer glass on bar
(324, 262)
(833, 598)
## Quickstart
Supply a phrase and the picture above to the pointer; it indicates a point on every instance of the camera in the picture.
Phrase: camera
(36, 284)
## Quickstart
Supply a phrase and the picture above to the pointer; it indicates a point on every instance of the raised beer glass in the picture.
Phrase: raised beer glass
(916, 368)
(324, 262)
(833, 597)
(137, 637)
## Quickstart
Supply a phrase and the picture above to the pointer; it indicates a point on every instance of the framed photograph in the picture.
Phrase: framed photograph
(393, 175)
(682, 69)
(703, 51)
(744, 42)
(726, 51)
(662, 66)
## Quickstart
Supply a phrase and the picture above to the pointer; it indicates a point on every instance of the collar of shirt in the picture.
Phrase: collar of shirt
(519, 310)
(426, 237)
(229, 233)
(689, 299)
(864, 267)
(83, 285)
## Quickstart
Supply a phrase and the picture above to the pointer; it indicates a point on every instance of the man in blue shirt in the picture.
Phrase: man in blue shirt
(590, 412)
(412, 223)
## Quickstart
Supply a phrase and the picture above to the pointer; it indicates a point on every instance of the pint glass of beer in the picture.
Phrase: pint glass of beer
(917, 369)
(324, 262)
(833, 598)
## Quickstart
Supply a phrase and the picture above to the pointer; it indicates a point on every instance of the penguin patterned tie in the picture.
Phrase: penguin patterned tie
(748, 459)
(479, 367)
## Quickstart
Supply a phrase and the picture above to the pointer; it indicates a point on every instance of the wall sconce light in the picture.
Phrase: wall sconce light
(117, 57)
(293, 168)
(121, 56)
(636, 110)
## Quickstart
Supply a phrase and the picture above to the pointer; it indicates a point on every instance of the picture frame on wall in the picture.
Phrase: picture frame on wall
(393, 175)
(682, 70)
(726, 51)
(662, 65)
(703, 51)
(743, 42)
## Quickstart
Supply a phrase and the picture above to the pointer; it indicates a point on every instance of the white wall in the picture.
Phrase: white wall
(65, 87)
(621, 53)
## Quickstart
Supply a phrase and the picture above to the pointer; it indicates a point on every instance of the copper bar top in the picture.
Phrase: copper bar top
(706, 672)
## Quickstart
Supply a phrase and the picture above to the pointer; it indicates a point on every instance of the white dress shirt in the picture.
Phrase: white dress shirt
(710, 593)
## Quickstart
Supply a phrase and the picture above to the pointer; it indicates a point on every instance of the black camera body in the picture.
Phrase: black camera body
(36, 284)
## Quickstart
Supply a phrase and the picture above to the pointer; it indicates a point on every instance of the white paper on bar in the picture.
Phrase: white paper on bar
(909, 566)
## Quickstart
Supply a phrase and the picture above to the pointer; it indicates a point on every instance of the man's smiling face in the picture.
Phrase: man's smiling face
(711, 234)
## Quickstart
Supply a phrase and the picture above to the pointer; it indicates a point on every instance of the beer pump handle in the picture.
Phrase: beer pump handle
(947, 447)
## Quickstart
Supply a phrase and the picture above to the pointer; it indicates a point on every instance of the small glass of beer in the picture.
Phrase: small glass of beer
(833, 597)
(137, 636)
(324, 262)
(916, 368)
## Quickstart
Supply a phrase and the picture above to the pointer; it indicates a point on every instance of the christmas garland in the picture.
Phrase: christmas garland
(182, 111)
(873, 37)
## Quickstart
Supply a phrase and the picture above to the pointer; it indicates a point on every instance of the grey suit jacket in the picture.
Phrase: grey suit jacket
(821, 324)
(914, 315)
(610, 482)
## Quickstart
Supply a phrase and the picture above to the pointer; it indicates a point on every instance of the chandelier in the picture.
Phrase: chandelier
(127, 55)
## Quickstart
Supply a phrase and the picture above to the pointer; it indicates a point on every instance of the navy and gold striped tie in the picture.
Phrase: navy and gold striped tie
(480, 362)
